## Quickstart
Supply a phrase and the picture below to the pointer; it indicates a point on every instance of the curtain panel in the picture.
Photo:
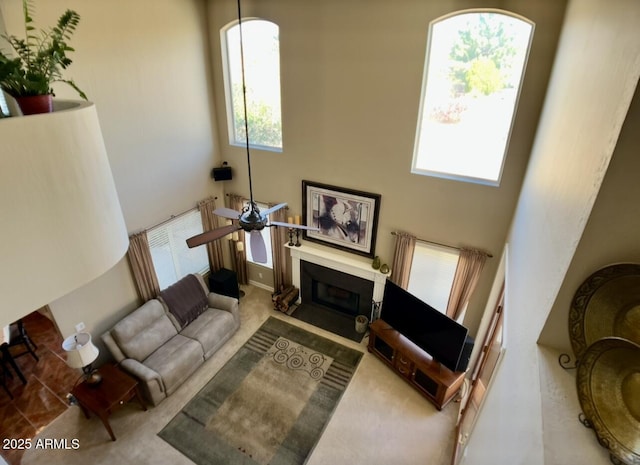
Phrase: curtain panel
(144, 274)
(470, 265)
(209, 222)
(238, 252)
(279, 253)
(402, 259)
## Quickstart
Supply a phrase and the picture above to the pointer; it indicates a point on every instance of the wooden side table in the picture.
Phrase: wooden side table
(115, 389)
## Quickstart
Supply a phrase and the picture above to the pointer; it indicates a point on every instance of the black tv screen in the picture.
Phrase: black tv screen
(434, 332)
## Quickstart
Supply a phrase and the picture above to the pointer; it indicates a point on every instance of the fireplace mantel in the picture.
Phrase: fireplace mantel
(350, 264)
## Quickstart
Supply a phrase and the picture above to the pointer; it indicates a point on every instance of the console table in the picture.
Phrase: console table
(435, 382)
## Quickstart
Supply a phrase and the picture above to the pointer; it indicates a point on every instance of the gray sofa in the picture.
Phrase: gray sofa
(165, 340)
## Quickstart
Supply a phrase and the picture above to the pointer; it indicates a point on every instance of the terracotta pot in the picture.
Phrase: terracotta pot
(35, 104)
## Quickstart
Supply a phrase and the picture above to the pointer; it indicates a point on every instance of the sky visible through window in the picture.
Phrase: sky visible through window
(475, 62)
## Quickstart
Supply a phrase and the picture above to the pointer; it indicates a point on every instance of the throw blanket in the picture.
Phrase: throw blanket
(186, 299)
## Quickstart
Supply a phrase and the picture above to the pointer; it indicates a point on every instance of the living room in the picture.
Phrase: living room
(351, 78)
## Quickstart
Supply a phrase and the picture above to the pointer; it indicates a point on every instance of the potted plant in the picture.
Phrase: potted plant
(40, 58)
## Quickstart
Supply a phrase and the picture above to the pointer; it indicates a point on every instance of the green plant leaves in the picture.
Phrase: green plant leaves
(40, 57)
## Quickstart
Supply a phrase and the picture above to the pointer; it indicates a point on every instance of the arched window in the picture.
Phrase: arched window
(261, 45)
(473, 71)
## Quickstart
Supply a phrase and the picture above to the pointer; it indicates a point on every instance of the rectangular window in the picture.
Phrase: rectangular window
(172, 259)
(432, 272)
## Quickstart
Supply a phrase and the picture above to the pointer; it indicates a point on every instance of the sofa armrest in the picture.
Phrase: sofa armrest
(226, 303)
(113, 347)
(142, 372)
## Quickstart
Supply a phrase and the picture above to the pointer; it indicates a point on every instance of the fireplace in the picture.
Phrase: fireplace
(335, 297)
(335, 291)
(334, 288)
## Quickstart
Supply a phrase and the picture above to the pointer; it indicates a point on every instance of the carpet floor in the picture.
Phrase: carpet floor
(269, 403)
(380, 419)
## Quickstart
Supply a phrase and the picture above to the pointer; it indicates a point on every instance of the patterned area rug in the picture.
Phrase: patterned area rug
(269, 404)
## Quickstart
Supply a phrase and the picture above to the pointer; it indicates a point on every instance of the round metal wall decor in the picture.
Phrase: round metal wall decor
(608, 383)
(606, 304)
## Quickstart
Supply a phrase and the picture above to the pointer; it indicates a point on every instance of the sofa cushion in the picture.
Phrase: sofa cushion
(211, 330)
(185, 299)
(144, 330)
(175, 361)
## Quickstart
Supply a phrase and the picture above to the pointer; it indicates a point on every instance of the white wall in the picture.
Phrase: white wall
(594, 77)
(612, 232)
(145, 65)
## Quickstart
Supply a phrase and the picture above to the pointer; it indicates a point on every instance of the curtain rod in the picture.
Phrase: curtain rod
(394, 233)
(173, 217)
(257, 201)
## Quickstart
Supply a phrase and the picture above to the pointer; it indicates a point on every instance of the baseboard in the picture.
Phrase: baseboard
(261, 285)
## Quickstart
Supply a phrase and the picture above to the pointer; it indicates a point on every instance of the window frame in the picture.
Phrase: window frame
(423, 96)
(228, 88)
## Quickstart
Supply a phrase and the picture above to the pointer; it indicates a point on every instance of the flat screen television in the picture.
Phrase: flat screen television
(441, 337)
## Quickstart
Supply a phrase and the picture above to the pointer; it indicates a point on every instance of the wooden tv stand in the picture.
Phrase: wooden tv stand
(434, 381)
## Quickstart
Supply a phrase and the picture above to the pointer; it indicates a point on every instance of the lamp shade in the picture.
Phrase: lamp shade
(61, 216)
(80, 350)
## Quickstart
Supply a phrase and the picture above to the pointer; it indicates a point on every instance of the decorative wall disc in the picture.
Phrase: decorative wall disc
(608, 383)
(606, 304)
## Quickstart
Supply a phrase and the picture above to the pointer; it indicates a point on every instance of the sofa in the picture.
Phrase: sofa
(165, 340)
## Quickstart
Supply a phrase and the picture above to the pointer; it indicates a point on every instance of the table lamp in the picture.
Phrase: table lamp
(81, 353)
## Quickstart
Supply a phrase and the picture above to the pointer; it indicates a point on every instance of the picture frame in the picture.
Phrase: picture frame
(347, 218)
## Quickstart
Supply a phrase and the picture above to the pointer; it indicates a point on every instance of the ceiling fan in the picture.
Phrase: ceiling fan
(250, 219)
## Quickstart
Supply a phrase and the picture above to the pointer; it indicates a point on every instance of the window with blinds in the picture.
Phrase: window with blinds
(432, 271)
(172, 259)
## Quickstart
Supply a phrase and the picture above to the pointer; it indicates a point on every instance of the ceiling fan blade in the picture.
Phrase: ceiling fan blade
(258, 249)
(210, 236)
(227, 213)
(294, 226)
(273, 209)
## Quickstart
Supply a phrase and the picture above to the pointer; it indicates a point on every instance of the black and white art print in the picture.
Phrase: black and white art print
(348, 219)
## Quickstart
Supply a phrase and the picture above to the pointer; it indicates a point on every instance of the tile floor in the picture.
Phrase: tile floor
(43, 398)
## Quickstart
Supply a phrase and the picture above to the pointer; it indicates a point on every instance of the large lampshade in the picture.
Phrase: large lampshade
(62, 225)
(80, 350)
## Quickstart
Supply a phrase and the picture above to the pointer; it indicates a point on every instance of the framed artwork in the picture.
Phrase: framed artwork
(348, 219)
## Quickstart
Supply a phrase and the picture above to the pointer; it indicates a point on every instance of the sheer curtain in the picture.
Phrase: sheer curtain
(402, 258)
(144, 274)
(468, 271)
(280, 254)
(209, 222)
(238, 248)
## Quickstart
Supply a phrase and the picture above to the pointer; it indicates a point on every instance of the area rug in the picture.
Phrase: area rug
(269, 404)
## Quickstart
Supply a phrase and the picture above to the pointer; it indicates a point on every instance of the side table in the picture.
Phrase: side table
(115, 389)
